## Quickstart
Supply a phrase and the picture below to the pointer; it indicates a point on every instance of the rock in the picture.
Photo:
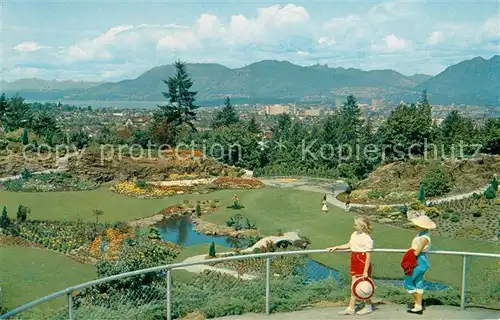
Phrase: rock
(385, 220)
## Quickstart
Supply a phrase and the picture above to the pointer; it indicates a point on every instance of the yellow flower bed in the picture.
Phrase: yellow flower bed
(360, 194)
(385, 209)
(130, 189)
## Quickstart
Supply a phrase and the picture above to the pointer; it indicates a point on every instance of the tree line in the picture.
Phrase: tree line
(296, 147)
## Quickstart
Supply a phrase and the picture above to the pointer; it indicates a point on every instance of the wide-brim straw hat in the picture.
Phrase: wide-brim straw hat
(423, 222)
(363, 288)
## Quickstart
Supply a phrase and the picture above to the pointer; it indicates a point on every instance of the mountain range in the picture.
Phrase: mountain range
(473, 82)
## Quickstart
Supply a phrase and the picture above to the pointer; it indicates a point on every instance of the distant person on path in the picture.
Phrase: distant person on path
(421, 243)
(324, 204)
(348, 202)
(361, 245)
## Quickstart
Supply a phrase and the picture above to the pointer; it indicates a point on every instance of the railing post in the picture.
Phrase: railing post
(169, 294)
(70, 306)
(464, 283)
(268, 285)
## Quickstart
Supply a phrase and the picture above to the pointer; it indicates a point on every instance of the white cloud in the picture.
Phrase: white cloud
(390, 43)
(120, 38)
(271, 23)
(178, 41)
(491, 27)
(208, 25)
(326, 41)
(28, 47)
(359, 39)
(434, 38)
(394, 43)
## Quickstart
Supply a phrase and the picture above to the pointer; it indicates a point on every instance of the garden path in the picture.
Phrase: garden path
(340, 187)
(201, 268)
(385, 311)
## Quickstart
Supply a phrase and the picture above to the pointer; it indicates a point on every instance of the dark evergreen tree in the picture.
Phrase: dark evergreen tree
(17, 113)
(3, 106)
(421, 194)
(25, 139)
(226, 116)
(4, 219)
(180, 109)
(211, 250)
(253, 126)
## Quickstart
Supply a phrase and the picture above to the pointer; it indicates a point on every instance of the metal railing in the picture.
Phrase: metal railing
(168, 268)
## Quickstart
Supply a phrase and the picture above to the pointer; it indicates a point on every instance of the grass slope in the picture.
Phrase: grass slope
(271, 209)
(80, 204)
(294, 210)
(28, 273)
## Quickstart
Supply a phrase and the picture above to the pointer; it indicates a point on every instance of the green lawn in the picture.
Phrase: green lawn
(294, 210)
(28, 273)
(271, 209)
(80, 204)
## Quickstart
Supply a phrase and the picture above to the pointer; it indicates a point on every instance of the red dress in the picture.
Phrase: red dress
(358, 261)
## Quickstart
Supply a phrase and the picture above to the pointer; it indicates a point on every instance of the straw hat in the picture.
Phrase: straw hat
(363, 288)
(423, 222)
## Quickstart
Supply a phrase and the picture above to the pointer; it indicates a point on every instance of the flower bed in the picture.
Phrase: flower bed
(62, 236)
(161, 189)
(131, 189)
(238, 183)
(47, 182)
(107, 245)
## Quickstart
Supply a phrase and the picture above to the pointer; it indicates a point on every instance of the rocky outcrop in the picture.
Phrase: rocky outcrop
(105, 168)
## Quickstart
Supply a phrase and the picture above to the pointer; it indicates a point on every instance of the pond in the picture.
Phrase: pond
(180, 230)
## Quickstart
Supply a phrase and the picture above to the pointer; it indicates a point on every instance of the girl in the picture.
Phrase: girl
(324, 205)
(414, 284)
(360, 244)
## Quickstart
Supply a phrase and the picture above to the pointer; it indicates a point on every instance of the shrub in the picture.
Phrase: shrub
(490, 193)
(432, 212)
(376, 194)
(248, 225)
(417, 206)
(97, 213)
(436, 182)
(198, 209)
(141, 184)
(455, 218)
(385, 209)
(22, 213)
(4, 218)
(477, 214)
(494, 183)
(211, 250)
(26, 174)
(445, 216)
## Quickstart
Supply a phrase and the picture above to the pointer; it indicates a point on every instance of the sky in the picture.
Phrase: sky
(96, 40)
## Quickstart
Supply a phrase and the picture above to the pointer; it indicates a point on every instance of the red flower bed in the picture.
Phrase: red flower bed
(238, 183)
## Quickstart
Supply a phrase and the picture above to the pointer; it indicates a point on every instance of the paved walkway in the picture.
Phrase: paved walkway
(382, 312)
(339, 187)
(200, 268)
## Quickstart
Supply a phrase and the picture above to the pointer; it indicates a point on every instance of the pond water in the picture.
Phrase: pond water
(181, 231)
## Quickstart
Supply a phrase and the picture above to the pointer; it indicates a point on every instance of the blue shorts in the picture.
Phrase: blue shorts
(415, 282)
